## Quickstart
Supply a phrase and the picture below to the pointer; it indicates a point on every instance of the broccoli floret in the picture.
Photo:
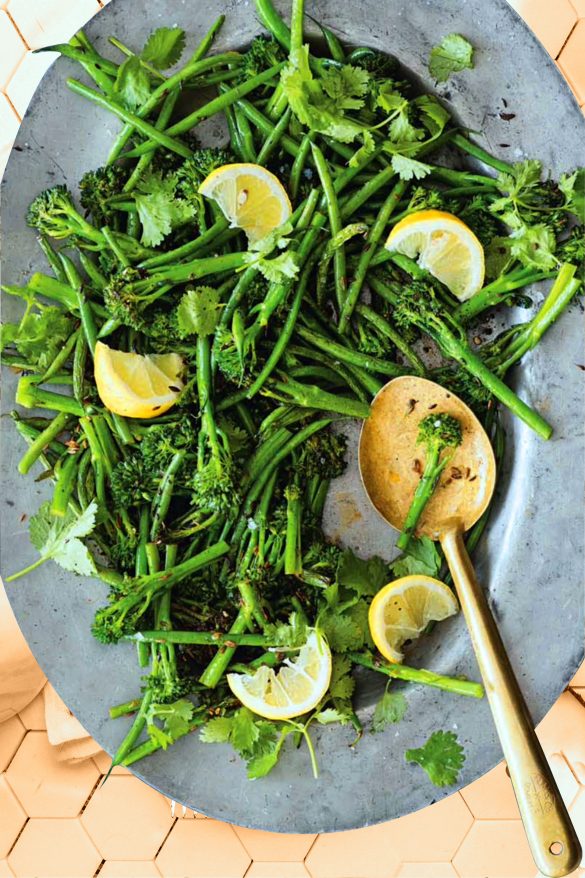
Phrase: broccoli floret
(133, 482)
(195, 169)
(379, 64)
(426, 199)
(438, 433)
(264, 53)
(573, 250)
(166, 686)
(161, 441)
(228, 359)
(123, 551)
(122, 302)
(97, 187)
(323, 455)
(215, 487)
(54, 214)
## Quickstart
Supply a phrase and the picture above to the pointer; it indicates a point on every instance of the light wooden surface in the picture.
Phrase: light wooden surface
(55, 820)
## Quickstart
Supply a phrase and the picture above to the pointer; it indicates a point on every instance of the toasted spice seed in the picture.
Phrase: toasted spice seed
(411, 405)
(417, 467)
(507, 117)
(467, 472)
(473, 478)
(230, 643)
(580, 366)
(456, 473)
(433, 406)
(477, 339)
(216, 635)
(23, 517)
(174, 389)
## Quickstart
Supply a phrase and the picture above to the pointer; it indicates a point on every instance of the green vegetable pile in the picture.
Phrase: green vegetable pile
(206, 521)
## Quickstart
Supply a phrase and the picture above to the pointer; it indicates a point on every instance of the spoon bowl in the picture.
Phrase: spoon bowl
(390, 459)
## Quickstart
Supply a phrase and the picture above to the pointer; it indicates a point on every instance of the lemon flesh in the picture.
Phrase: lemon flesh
(298, 687)
(250, 197)
(445, 247)
(137, 385)
(402, 610)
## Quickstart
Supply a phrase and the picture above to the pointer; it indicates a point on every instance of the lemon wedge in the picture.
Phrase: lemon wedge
(297, 688)
(445, 247)
(137, 385)
(250, 197)
(402, 610)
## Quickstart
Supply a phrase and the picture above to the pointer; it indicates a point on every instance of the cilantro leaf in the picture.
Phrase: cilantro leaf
(159, 209)
(245, 732)
(59, 538)
(320, 104)
(573, 188)
(408, 169)
(362, 577)
(342, 684)
(176, 719)
(432, 114)
(198, 312)
(217, 730)
(442, 758)
(390, 709)
(132, 85)
(164, 47)
(422, 558)
(342, 632)
(398, 107)
(453, 54)
(281, 266)
(330, 715)
(39, 336)
(260, 766)
(534, 246)
(290, 635)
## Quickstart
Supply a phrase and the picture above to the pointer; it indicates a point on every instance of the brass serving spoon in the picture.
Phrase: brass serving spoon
(387, 459)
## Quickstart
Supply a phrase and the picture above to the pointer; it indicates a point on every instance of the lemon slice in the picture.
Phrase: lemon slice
(445, 247)
(298, 686)
(402, 610)
(136, 385)
(250, 197)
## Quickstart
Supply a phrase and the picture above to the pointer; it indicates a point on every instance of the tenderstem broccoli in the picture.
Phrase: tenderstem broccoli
(439, 434)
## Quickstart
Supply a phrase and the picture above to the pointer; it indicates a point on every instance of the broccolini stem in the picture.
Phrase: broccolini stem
(498, 291)
(348, 355)
(164, 494)
(423, 493)
(385, 328)
(217, 666)
(133, 734)
(418, 675)
(61, 357)
(273, 140)
(30, 396)
(151, 746)
(171, 257)
(200, 638)
(313, 397)
(57, 426)
(374, 238)
(125, 708)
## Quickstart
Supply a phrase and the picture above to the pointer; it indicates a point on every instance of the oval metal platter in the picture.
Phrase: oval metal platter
(531, 559)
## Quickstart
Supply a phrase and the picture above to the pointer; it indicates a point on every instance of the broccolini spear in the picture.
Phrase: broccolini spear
(440, 434)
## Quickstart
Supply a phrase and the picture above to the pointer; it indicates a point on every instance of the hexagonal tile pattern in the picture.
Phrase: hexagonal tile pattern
(12, 817)
(129, 869)
(33, 716)
(274, 845)
(45, 786)
(5, 870)
(572, 60)
(11, 734)
(52, 21)
(492, 796)
(563, 729)
(578, 816)
(432, 834)
(426, 870)
(551, 30)
(495, 848)
(277, 870)
(127, 820)
(13, 49)
(202, 849)
(54, 848)
(366, 853)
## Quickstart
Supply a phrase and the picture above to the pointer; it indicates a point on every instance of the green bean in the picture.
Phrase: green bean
(348, 355)
(144, 161)
(98, 280)
(234, 133)
(273, 140)
(298, 166)
(245, 132)
(61, 357)
(164, 494)
(339, 261)
(64, 486)
(273, 22)
(52, 258)
(84, 493)
(97, 459)
(155, 136)
(355, 201)
(388, 330)
(210, 109)
(114, 247)
(57, 426)
(374, 237)
(79, 363)
(188, 249)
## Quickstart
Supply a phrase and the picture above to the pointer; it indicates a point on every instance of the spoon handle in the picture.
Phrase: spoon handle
(551, 835)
